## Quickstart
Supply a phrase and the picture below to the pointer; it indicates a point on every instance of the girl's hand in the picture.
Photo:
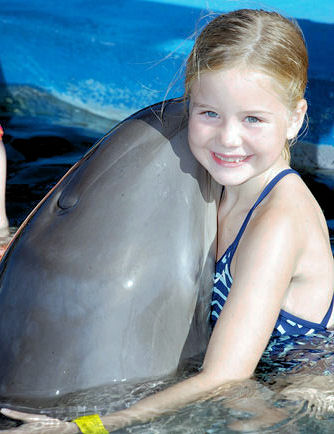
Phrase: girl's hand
(38, 423)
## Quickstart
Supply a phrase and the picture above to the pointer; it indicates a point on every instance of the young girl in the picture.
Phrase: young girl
(245, 82)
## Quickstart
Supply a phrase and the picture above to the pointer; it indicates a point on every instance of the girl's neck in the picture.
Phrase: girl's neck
(245, 194)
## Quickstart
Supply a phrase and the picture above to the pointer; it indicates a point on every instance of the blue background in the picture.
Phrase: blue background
(114, 57)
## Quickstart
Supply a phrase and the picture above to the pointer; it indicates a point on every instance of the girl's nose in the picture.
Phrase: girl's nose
(229, 134)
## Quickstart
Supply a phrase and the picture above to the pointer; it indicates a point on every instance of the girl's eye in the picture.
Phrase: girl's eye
(252, 119)
(210, 114)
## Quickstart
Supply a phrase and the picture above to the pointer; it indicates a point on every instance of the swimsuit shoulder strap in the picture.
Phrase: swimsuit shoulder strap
(264, 193)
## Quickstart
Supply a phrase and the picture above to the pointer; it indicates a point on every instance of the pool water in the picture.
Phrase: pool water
(291, 393)
(297, 396)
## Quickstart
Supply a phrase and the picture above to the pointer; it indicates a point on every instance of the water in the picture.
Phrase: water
(292, 392)
(44, 137)
(290, 402)
(117, 56)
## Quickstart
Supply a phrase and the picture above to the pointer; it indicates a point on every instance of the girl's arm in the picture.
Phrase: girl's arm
(266, 259)
(3, 165)
(265, 262)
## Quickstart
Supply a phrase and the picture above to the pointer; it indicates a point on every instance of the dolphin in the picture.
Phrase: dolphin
(109, 278)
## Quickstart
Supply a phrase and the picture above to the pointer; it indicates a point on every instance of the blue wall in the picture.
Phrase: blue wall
(114, 57)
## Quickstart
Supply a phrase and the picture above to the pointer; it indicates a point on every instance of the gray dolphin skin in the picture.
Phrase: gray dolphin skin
(109, 278)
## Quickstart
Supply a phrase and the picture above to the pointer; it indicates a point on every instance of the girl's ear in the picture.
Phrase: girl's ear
(296, 119)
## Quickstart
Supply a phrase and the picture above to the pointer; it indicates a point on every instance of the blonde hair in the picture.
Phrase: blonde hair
(257, 39)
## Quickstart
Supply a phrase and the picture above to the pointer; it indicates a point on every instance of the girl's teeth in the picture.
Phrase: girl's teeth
(230, 159)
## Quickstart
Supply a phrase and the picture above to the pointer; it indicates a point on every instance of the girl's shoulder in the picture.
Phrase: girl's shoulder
(292, 199)
(290, 211)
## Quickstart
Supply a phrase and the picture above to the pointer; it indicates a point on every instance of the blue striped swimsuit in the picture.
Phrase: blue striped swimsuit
(286, 324)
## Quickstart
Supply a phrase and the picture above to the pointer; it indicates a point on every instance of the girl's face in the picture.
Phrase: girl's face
(238, 125)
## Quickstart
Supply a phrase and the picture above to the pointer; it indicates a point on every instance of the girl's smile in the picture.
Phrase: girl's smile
(238, 125)
(229, 160)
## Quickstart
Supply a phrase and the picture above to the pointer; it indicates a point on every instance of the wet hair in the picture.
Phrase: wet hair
(254, 39)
